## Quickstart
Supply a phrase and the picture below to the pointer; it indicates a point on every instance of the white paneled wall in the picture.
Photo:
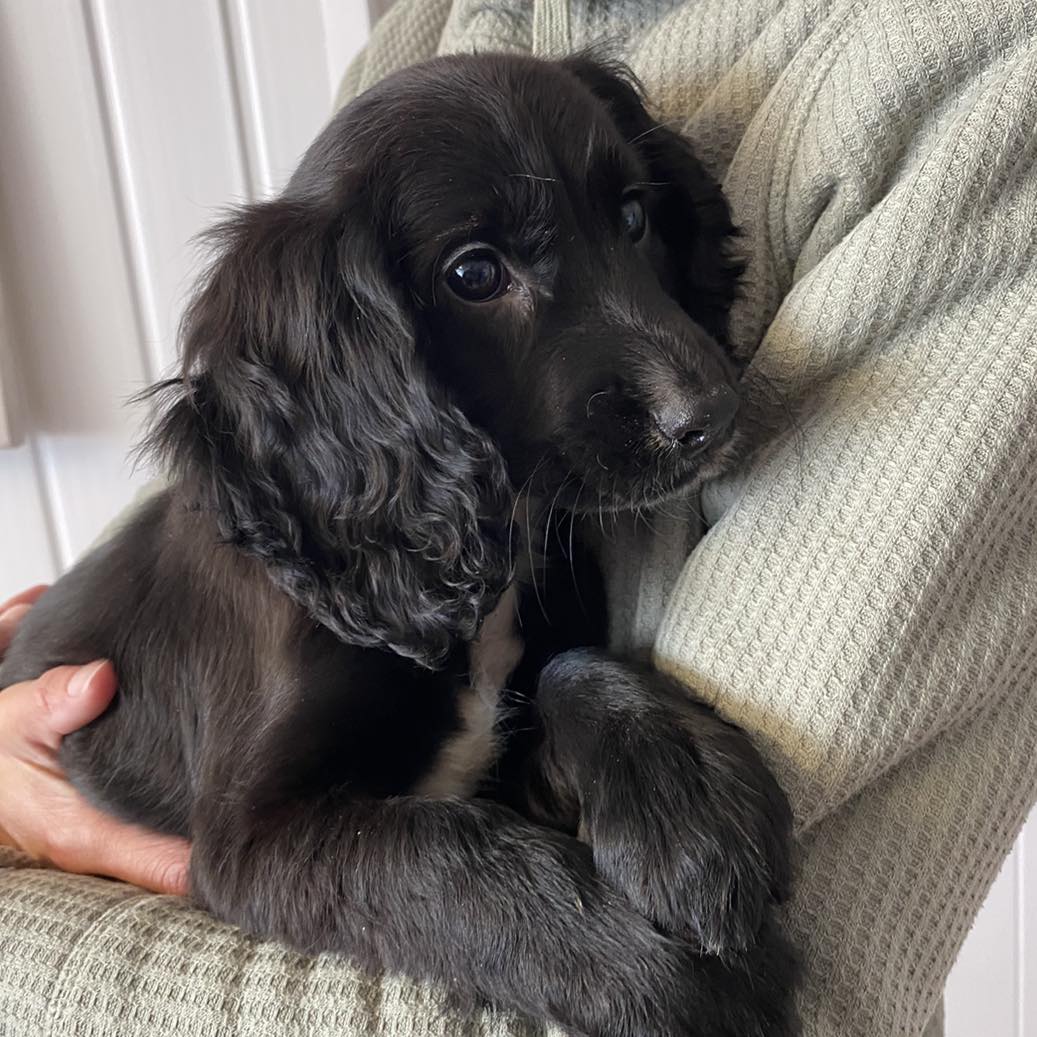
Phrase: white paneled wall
(124, 126)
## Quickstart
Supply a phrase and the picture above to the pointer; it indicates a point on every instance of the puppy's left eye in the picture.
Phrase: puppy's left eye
(476, 275)
(634, 219)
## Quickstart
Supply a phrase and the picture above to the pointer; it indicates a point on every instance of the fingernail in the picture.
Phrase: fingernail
(82, 677)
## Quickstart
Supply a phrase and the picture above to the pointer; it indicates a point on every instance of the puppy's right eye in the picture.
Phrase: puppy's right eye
(476, 275)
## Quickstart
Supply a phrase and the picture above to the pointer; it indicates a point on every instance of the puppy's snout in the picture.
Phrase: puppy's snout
(697, 419)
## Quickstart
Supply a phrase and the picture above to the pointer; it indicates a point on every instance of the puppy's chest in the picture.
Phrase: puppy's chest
(467, 753)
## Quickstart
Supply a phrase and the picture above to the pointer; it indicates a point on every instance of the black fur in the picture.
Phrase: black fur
(361, 463)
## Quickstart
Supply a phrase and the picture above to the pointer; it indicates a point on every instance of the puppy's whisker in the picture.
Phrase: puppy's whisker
(572, 565)
(641, 512)
(547, 535)
(550, 511)
(514, 508)
(575, 509)
(651, 129)
(593, 397)
(615, 511)
(798, 435)
(533, 561)
(644, 509)
(533, 176)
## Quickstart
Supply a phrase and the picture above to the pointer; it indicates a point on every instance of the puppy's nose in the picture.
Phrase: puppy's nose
(697, 420)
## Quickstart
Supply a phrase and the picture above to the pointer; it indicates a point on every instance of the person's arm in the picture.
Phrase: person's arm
(41, 813)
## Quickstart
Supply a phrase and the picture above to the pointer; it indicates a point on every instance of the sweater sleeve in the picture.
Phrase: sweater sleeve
(415, 30)
(866, 599)
(871, 580)
(410, 31)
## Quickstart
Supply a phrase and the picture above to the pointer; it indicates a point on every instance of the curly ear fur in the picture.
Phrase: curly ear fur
(305, 419)
(695, 220)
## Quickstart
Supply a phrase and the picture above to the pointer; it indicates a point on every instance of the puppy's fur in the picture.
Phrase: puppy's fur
(382, 492)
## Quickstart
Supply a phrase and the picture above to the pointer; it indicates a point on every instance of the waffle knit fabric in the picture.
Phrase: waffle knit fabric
(865, 601)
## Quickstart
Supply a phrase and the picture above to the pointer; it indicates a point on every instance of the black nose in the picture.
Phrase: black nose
(697, 420)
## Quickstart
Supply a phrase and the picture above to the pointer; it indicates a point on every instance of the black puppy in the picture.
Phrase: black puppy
(494, 289)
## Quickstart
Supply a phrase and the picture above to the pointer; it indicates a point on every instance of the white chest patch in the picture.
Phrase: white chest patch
(466, 755)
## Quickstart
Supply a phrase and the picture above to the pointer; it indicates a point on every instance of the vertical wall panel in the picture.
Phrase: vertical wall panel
(284, 96)
(26, 557)
(76, 341)
(172, 107)
(127, 126)
(346, 27)
(1026, 933)
(27, 553)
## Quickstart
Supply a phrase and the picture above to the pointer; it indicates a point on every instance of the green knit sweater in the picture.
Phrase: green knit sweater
(865, 601)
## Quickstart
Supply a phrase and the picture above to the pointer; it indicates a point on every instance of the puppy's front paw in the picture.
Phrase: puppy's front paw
(683, 816)
(681, 813)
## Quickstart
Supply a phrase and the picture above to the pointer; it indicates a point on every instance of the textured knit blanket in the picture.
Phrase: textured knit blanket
(865, 601)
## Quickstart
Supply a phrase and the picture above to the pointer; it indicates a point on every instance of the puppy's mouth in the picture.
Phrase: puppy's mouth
(587, 478)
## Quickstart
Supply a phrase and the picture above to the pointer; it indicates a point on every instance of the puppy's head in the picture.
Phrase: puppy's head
(567, 257)
(488, 273)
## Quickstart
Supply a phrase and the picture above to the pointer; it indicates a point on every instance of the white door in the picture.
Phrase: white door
(124, 126)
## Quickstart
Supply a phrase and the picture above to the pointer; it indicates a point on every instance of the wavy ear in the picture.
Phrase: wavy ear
(694, 220)
(305, 419)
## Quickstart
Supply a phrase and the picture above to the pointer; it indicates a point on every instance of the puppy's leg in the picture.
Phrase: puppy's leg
(471, 895)
(679, 810)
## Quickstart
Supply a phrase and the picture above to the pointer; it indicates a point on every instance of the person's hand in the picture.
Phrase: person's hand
(40, 811)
